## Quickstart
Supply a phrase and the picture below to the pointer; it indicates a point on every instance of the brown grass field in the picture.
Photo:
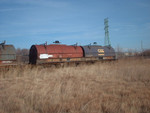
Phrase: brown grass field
(113, 87)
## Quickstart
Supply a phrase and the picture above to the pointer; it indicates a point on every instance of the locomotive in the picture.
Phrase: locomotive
(60, 53)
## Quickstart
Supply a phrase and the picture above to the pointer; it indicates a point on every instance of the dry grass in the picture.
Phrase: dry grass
(119, 87)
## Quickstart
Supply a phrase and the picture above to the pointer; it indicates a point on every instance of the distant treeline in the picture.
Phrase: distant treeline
(144, 53)
(22, 55)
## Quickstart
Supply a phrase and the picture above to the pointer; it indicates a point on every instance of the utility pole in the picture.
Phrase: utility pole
(107, 40)
(142, 47)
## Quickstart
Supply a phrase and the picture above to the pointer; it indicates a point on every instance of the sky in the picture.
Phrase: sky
(27, 22)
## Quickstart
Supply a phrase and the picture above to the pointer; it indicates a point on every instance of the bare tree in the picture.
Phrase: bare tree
(146, 53)
(119, 52)
(22, 55)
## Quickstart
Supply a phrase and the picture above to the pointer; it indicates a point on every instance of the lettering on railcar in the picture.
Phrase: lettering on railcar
(100, 54)
(100, 50)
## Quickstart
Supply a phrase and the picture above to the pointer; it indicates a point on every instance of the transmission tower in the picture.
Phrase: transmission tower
(107, 40)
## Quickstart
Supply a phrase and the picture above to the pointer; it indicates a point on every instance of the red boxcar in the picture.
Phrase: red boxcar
(53, 51)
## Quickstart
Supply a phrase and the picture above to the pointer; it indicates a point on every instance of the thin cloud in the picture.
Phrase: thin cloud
(12, 9)
(115, 29)
(49, 3)
(147, 25)
(143, 4)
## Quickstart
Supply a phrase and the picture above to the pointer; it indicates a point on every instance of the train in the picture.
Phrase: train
(58, 53)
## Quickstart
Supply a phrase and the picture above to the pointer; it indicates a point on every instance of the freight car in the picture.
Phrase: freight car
(7, 54)
(59, 53)
(54, 53)
(100, 52)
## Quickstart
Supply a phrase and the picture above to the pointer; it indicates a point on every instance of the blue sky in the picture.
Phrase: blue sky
(27, 22)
